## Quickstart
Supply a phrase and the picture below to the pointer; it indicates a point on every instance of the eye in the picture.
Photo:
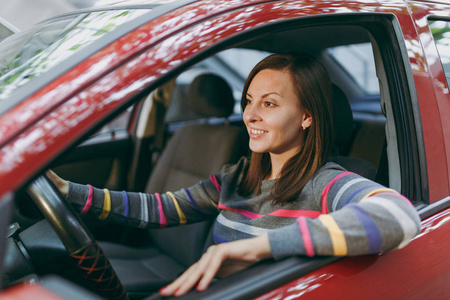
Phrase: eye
(269, 104)
(248, 101)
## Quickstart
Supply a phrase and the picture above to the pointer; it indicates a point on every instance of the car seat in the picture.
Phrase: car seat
(194, 152)
(343, 127)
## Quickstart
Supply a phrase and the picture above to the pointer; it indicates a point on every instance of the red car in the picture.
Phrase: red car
(111, 97)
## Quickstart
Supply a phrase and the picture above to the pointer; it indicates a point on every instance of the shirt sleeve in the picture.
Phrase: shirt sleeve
(189, 205)
(358, 217)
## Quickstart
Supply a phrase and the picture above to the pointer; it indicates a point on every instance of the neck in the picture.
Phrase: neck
(277, 163)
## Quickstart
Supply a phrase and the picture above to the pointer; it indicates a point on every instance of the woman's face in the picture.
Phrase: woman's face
(273, 115)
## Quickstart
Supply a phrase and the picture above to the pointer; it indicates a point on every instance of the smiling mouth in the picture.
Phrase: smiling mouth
(257, 132)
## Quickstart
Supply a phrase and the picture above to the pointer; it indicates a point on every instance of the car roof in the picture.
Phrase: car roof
(431, 1)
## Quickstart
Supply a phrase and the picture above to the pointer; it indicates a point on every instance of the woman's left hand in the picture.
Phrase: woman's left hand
(220, 260)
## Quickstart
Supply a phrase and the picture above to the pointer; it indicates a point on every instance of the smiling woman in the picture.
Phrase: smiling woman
(287, 200)
(301, 134)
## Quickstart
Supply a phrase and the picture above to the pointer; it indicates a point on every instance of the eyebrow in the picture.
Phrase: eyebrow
(265, 95)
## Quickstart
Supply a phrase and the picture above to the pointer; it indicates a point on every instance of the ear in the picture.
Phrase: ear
(306, 120)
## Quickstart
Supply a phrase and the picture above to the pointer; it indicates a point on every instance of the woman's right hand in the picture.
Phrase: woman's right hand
(61, 184)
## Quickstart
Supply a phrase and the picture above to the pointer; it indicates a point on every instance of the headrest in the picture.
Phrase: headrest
(342, 118)
(210, 96)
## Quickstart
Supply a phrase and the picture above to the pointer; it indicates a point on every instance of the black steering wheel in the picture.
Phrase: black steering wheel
(86, 254)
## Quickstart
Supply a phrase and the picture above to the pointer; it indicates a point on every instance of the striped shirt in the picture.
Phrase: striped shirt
(337, 213)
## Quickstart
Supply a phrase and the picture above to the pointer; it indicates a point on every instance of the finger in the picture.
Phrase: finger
(174, 287)
(218, 256)
(209, 263)
(209, 273)
(188, 279)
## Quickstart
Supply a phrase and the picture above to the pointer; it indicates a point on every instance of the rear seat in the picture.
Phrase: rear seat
(368, 140)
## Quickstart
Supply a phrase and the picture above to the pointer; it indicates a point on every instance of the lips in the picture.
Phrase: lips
(255, 133)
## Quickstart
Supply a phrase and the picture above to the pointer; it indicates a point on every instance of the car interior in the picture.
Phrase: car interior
(187, 129)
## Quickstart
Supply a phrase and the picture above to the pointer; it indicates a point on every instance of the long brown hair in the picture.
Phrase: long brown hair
(313, 89)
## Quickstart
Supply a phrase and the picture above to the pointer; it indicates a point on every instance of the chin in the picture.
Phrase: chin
(258, 149)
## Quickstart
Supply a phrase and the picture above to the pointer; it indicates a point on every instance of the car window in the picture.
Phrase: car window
(242, 61)
(31, 53)
(357, 60)
(233, 65)
(441, 35)
(118, 123)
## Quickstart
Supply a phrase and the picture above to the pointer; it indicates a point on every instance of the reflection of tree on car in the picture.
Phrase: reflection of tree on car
(276, 204)
(48, 45)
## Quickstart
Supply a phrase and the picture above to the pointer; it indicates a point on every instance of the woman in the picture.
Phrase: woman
(286, 200)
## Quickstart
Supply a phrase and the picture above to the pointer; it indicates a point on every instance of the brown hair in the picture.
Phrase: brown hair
(313, 89)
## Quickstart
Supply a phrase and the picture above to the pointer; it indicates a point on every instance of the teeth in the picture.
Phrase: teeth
(254, 131)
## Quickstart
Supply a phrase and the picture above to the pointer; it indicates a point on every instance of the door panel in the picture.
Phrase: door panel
(101, 161)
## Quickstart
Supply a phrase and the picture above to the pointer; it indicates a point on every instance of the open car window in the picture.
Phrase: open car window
(358, 61)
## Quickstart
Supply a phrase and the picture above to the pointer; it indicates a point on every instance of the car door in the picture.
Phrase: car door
(102, 160)
(174, 47)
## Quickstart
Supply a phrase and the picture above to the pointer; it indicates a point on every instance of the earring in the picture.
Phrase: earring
(303, 126)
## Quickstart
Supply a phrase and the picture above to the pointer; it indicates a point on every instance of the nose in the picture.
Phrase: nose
(251, 113)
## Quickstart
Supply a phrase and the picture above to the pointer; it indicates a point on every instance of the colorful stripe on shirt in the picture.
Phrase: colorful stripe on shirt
(405, 221)
(336, 235)
(162, 216)
(180, 213)
(106, 205)
(126, 206)
(144, 210)
(278, 213)
(327, 189)
(372, 232)
(88, 203)
(306, 236)
(191, 200)
(214, 180)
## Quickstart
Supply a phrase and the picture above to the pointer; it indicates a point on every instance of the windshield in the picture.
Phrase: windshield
(31, 53)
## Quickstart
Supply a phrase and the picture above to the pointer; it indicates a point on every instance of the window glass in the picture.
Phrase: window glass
(31, 53)
(357, 60)
(119, 123)
(242, 60)
(233, 65)
(441, 35)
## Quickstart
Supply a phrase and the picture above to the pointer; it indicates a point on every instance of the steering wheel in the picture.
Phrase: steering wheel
(86, 254)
